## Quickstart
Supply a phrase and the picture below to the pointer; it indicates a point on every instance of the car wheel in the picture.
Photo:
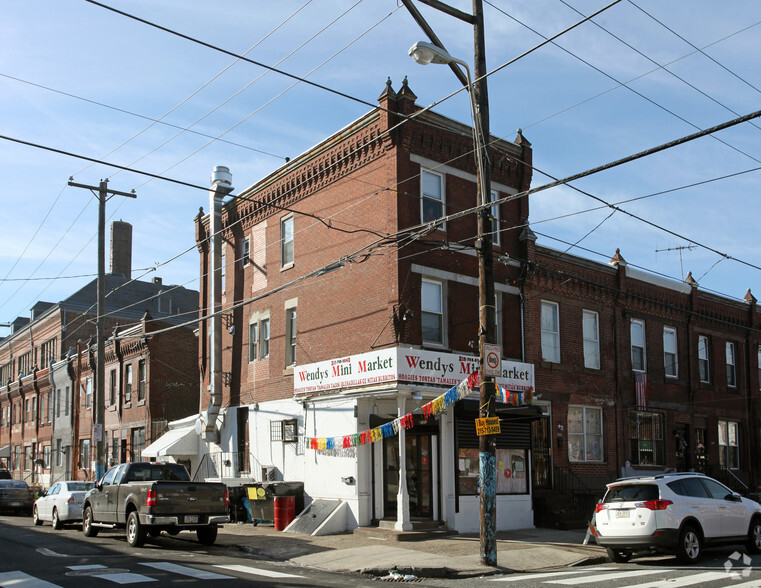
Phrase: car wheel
(57, 524)
(135, 531)
(689, 546)
(36, 516)
(207, 535)
(619, 555)
(87, 523)
(754, 536)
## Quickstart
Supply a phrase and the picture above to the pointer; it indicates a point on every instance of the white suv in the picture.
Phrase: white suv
(678, 513)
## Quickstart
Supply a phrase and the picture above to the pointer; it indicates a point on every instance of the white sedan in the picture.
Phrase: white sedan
(62, 503)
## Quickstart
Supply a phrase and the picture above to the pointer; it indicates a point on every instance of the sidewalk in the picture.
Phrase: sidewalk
(451, 556)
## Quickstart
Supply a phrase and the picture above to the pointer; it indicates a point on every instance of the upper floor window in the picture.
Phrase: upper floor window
(550, 332)
(669, 352)
(590, 326)
(253, 341)
(731, 365)
(432, 311)
(432, 195)
(142, 380)
(245, 253)
(25, 364)
(290, 336)
(638, 345)
(128, 383)
(495, 224)
(112, 388)
(6, 373)
(286, 241)
(88, 392)
(704, 358)
(47, 352)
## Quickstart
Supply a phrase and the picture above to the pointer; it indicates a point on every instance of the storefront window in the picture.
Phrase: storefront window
(511, 471)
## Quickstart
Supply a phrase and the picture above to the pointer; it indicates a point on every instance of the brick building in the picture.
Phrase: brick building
(350, 302)
(38, 367)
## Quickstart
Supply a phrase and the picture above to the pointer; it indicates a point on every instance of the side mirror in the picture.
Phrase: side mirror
(734, 497)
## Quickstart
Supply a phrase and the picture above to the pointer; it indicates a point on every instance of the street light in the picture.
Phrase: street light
(425, 53)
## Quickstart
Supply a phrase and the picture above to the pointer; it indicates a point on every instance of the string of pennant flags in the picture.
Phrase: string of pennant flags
(430, 409)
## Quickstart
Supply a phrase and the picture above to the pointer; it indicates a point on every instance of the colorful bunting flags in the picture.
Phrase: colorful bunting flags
(430, 409)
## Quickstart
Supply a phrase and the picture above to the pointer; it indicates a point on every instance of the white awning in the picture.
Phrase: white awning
(5, 451)
(182, 441)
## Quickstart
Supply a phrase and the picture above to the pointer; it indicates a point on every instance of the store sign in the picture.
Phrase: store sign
(415, 366)
(487, 426)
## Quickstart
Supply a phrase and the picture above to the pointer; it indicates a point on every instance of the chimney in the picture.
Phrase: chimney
(121, 249)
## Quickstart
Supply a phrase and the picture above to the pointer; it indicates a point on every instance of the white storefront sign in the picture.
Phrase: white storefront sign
(399, 364)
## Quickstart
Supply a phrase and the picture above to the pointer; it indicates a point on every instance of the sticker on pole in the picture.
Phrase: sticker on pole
(487, 426)
(492, 360)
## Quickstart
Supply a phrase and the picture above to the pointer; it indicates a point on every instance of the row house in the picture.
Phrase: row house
(350, 305)
(45, 434)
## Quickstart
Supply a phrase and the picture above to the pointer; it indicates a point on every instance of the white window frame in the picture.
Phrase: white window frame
(550, 331)
(591, 335)
(670, 352)
(729, 444)
(440, 201)
(731, 356)
(287, 249)
(291, 332)
(427, 309)
(584, 436)
(264, 337)
(245, 254)
(636, 344)
(704, 358)
(495, 224)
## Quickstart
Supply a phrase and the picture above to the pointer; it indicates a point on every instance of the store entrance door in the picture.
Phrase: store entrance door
(419, 474)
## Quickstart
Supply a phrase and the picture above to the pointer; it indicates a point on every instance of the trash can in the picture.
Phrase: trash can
(285, 511)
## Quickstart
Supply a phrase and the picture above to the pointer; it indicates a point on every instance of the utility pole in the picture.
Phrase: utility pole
(100, 393)
(486, 301)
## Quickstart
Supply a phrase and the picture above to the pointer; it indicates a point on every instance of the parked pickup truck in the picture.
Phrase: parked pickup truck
(146, 498)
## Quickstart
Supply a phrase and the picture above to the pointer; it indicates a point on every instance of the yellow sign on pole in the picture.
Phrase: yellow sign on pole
(487, 426)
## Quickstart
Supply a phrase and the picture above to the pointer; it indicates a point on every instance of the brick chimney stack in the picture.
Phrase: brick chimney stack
(121, 249)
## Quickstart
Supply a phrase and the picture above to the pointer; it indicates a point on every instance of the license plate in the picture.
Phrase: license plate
(15, 504)
(622, 514)
(191, 518)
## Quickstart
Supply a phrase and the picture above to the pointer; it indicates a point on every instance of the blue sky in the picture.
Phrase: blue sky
(79, 78)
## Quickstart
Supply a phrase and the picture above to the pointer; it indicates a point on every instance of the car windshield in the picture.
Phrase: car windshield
(79, 486)
(632, 493)
(13, 484)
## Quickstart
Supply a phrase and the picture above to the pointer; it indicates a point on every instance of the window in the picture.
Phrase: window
(286, 431)
(646, 436)
(286, 241)
(290, 336)
(128, 383)
(729, 450)
(25, 364)
(590, 325)
(142, 380)
(46, 456)
(58, 453)
(432, 195)
(67, 402)
(670, 362)
(28, 405)
(704, 361)
(253, 341)
(432, 311)
(550, 332)
(84, 453)
(584, 433)
(138, 443)
(264, 338)
(731, 365)
(495, 224)
(223, 268)
(112, 388)
(5, 373)
(47, 352)
(638, 345)
(88, 392)
(245, 253)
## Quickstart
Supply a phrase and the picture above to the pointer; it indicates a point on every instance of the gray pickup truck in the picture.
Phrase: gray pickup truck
(146, 498)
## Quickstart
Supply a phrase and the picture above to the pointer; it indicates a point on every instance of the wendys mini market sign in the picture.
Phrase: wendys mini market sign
(415, 366)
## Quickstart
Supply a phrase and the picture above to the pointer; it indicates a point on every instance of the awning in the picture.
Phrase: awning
(5, 451)
(182, 441)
